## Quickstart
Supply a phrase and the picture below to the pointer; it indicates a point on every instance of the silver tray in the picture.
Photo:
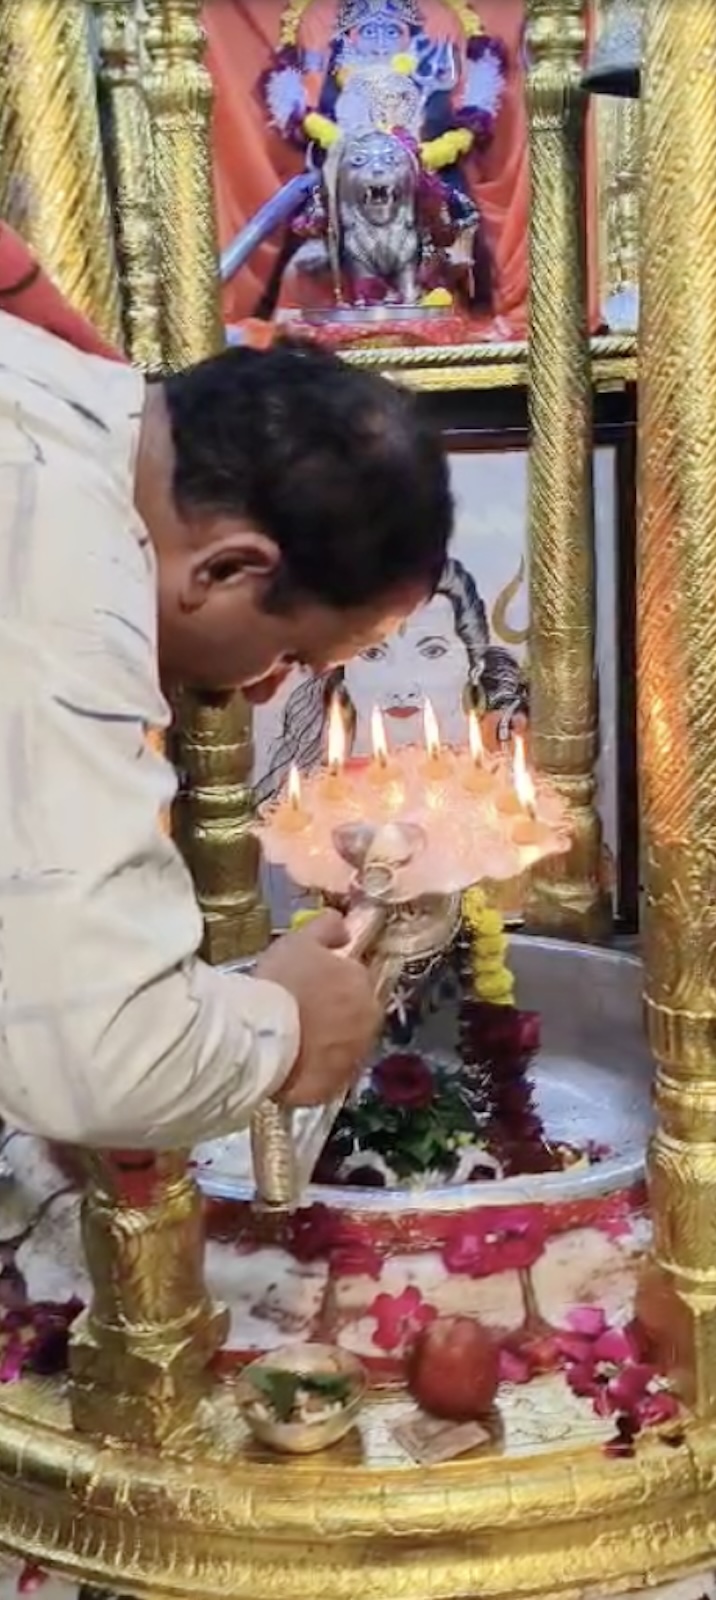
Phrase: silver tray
(592, 1078)
(366, 316)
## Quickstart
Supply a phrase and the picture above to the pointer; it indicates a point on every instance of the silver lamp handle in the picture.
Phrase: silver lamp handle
(285, 1145)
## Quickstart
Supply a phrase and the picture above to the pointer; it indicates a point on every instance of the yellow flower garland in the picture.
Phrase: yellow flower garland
(446, 150)
(321, 130)
(293, 13)
(493, 982)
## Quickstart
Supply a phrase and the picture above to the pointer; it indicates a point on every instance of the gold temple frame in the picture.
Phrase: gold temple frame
(132, 1483)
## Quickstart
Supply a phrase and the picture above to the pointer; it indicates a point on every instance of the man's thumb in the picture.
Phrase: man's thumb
(328, 929)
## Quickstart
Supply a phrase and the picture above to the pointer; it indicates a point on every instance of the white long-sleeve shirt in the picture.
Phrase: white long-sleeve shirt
(112, 1032)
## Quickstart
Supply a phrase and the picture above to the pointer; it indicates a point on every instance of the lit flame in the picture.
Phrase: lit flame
(524, 787)
(377, 733)
(477, 748)
(294, 789)
(432, 731)
(336, 737)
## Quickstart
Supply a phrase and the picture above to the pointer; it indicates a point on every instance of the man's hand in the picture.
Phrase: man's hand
(339, 1016)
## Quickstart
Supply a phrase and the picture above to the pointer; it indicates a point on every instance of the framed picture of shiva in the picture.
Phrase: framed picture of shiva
(469, 645)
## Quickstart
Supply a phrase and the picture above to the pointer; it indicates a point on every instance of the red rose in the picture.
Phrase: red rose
(405, 1081)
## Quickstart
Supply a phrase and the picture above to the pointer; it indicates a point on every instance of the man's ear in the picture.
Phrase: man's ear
(226, 561)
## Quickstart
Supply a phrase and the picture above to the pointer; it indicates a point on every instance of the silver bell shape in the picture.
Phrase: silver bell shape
(615, 63)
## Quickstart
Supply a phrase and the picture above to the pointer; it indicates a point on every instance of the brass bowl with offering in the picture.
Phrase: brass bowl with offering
(302, 1399)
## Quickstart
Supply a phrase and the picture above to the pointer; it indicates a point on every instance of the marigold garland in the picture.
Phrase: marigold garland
(446, 150)
(492, 980)
(321, 130)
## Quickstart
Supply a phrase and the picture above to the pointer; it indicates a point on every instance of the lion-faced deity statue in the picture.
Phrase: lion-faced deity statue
(375, 220)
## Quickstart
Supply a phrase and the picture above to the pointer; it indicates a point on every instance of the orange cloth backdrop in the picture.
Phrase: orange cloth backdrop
(251, 161)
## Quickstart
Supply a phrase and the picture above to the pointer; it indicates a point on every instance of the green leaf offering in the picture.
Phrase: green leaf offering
(281, 1388)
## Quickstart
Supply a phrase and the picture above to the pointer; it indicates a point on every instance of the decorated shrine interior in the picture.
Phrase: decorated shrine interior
(453, 1335)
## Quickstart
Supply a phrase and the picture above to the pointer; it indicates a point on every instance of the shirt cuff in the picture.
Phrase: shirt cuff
(272, 1015)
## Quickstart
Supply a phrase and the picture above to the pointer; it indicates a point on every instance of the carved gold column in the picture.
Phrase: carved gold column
(677, 668)
(139, 1359)
(52, 178)
(130, 167)
(565, 896)
(618, 125)
(214, 818)
(180, 98)
(216, 752)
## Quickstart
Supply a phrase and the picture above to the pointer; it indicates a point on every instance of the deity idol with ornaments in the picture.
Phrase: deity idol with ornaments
(391, 220)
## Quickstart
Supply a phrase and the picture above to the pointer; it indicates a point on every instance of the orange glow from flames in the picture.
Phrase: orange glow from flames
(294, 789)
(336, 737)
(524, 786)
(477, 748)
(379, 741)
(432, 731)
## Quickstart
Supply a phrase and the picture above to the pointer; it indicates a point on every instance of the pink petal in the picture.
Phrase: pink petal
(582, 1381)
(589, 1321)
(11, 1363)
(574, 1348)
(630, 1385)
(616, 1345)
(513, 1368)
(30, 1580)
(654, 1409)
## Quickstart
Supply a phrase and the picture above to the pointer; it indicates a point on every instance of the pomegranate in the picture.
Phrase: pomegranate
(453, 1369)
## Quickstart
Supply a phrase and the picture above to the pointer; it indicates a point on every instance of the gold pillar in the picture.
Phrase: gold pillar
(128, 149)
(52, 177)
(180, 97)
(565, 895)
(139, 1360)
(677, 668)
(215, 746)
(214, 826)
(139, 1357)
(618, 129)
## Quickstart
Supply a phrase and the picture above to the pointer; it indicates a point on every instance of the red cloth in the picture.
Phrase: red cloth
(27, 292)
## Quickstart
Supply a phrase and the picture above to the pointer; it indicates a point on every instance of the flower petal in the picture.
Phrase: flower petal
(588, 1320)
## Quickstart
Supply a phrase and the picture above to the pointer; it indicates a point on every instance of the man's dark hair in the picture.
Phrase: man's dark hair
(338, 466)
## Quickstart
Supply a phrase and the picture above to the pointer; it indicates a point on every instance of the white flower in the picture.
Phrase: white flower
(285, 96)
(485, 83)
(359, 1159)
